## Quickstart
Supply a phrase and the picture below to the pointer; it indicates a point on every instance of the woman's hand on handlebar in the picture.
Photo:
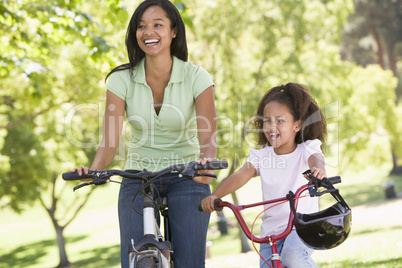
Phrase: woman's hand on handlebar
(82, 170)
(207, 203)
(204, 179)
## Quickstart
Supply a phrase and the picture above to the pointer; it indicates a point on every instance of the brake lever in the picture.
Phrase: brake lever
(312, 189)
(191, 174)
(101, 180)
(82, 185)
(98, 179)
(205, 175)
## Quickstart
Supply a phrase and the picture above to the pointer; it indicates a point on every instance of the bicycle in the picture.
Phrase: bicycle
(322, 230)
(154, 250)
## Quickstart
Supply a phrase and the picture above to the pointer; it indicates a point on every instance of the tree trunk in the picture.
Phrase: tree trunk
(380, 50)
(61, 243)
(222, 223)
(245, 247)
(396, 169)
(392, 65)
(59, 229)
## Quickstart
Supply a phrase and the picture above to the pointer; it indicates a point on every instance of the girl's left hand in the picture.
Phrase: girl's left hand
(204, 179)
(318, 173)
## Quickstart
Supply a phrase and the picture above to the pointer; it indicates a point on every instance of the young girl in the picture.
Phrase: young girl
(292, 131)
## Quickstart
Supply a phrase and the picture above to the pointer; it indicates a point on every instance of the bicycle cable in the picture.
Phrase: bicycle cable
(256, 218)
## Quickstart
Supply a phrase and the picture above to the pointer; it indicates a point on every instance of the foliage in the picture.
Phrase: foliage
(256, 45)
(373, 35)
(54, 57)
(51, 53)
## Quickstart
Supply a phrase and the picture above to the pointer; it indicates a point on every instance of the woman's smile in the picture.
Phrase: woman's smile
(154, 33)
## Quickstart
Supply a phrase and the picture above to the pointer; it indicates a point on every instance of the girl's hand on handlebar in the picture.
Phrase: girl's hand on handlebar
(317, 172)
(82, 170)
(207, 203)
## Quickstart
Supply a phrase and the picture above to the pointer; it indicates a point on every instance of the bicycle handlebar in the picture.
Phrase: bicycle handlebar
(312, 187)
(187, 170)
(334, 180)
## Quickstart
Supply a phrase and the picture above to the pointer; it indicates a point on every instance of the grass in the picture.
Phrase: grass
(28, 240)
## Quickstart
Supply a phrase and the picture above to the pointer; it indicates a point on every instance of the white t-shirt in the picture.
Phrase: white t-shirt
(279, 175)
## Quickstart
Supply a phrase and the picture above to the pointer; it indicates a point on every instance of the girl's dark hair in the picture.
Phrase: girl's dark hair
(178, 47)
(302, 106)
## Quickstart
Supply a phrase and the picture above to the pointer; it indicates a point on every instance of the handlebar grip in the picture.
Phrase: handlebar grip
(335, 179)
(215, 205)
(212, 165)
(73, 176)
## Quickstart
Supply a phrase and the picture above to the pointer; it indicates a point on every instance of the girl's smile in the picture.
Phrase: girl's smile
(280, 128)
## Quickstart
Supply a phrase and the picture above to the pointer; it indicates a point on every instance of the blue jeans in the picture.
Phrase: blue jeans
(188, 225)
(294, 253)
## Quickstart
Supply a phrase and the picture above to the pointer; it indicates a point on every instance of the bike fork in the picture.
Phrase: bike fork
(275, 258)
(151, 246)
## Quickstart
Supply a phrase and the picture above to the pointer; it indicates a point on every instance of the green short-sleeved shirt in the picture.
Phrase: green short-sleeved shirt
(158, 141)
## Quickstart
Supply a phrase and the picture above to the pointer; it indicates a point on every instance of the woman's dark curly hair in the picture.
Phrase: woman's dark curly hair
(302, 106)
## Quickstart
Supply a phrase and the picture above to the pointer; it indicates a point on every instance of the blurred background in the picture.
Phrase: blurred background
(54, 56)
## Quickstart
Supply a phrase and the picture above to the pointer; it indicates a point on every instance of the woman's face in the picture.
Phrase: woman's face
(280, 128)
(154, 34)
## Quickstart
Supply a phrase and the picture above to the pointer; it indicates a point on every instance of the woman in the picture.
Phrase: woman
(169, 104)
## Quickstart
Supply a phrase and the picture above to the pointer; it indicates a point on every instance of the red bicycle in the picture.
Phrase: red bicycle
(321, 230)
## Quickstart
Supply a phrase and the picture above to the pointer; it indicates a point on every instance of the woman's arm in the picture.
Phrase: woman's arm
(112, 127)
(206, 122)
(229, 185)
(206, 126)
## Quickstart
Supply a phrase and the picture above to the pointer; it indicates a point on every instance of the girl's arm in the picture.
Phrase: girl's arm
(112, 127)
(206, 125)
(316, 163)
(229, 185)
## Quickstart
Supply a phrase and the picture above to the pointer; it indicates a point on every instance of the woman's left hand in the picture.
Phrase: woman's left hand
(204, 179)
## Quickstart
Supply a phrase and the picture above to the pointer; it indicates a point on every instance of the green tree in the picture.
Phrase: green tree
(373, 35)
(251, 46)
(54, 57)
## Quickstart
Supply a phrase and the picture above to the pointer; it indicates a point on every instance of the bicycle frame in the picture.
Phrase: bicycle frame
(152, 250)
(271, 239)
(153, 244)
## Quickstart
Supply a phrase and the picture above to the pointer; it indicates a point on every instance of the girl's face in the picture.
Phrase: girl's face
(154, 35)
(280, 128)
